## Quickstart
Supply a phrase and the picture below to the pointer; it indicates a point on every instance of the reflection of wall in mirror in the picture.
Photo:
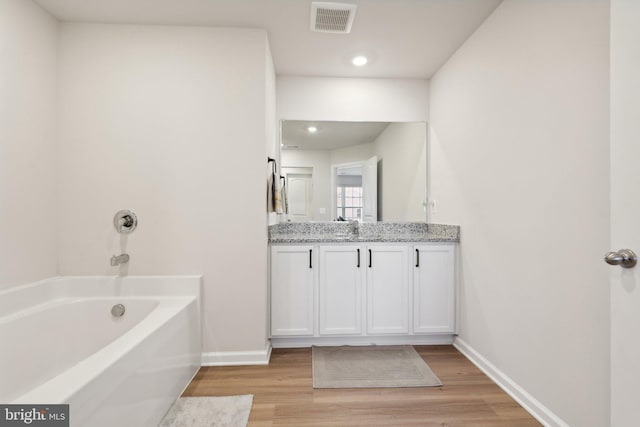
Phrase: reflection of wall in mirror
(402, 171)
(355, 153)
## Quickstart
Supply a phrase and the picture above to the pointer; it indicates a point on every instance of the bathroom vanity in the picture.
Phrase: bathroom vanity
(369, 283)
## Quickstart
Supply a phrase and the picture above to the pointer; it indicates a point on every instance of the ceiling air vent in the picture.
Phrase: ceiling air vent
(332, 17)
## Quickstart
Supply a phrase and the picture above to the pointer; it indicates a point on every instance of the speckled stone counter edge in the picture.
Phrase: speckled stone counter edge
(353, 232)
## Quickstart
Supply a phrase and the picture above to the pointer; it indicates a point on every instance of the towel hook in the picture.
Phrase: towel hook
(275, 165)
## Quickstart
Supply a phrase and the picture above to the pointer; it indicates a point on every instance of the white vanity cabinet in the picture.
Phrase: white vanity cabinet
(340, 289)
(292, 290)
(387, 289)
(362, 293)
(434, 288)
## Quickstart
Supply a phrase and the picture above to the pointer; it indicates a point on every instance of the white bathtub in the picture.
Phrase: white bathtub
(59, 343)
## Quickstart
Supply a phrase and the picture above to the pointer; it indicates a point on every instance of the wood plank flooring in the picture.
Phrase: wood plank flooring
(284, 396)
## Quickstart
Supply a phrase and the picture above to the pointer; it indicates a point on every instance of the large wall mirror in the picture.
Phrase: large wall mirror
(364, 171)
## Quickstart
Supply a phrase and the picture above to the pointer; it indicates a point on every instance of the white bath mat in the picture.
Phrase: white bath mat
(222, 411)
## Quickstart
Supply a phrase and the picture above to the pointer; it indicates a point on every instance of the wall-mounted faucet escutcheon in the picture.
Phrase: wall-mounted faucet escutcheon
(125, 221)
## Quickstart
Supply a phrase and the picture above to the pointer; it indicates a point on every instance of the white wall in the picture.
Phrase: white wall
(272, 135)
(28, 46)
(402, 172)
(352, 99)
(519, 148)
(171, 123)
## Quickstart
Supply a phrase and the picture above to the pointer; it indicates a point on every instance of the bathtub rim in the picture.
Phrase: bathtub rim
(75, 300)
(20, 297)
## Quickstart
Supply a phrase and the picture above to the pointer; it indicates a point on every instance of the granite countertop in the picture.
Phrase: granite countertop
(353, 232)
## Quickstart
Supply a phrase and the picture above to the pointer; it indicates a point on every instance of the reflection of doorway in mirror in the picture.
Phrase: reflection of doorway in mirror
(347, 192)
(355, 190)
(299, 189)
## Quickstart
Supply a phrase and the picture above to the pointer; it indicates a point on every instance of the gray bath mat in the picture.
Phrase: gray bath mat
(223, 411)
(370, 366)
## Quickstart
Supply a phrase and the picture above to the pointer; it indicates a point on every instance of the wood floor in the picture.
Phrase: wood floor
(284, 396)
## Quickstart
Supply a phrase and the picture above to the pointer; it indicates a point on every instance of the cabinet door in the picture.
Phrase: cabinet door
(292, 290)
(340, 290)
(387, 289)
(434, 289)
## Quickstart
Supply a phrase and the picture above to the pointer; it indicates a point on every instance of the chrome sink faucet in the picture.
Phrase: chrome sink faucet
(119, 259)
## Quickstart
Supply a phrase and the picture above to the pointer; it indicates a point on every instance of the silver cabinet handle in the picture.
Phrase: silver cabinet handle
(625, 258)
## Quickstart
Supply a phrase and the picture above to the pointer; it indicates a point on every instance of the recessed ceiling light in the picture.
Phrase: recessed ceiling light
(312, 129)
(359, 61)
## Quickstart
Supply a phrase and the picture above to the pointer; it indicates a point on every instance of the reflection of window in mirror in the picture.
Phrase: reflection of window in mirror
(349, 202)
(349, 193)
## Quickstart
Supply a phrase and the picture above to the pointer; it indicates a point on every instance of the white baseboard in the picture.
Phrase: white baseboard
(237, 358)
(524, 399)
(297, 342)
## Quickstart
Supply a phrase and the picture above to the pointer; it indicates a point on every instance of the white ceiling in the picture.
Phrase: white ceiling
(330, 135)
(402, 38)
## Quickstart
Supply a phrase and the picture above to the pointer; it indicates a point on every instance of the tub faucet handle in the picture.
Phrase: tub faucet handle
(126, 221)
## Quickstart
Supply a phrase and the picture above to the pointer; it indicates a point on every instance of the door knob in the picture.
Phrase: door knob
(625, 258)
